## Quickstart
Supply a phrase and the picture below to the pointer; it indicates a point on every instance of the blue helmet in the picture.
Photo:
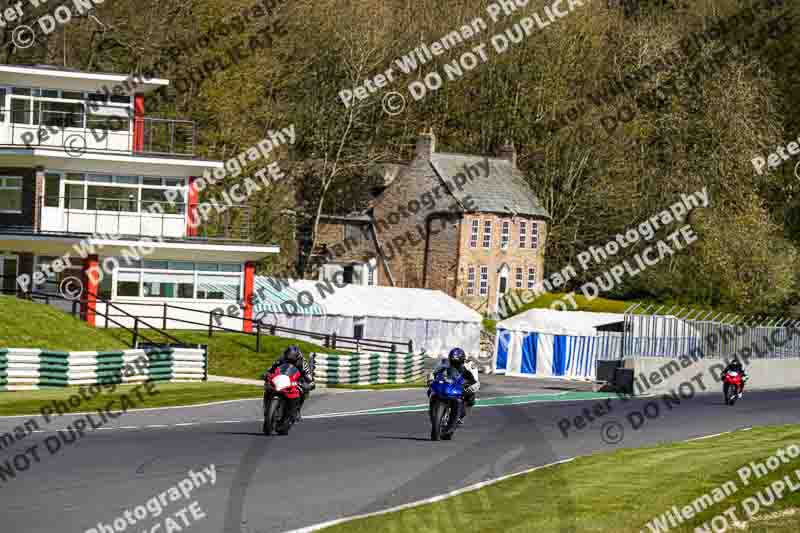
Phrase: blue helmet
(457, 357)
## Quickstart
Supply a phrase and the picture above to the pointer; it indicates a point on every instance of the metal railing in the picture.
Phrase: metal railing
(130, 216)
(662, 332)
(166, 136)
(332, 340)
(87, 132)
(79, 307)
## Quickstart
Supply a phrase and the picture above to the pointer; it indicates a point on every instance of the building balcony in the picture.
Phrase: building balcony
(115, 131)
(132, 218)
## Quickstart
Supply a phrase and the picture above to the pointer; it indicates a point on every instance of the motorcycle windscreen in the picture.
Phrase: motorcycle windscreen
(450, 373)
(287, 370)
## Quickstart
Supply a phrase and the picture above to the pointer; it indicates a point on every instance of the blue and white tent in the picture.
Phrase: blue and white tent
(548, 343)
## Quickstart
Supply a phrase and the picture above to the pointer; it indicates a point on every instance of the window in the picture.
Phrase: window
(484, 280)
(471, 280)
(348, 274)
(21, 112)
(219, 267)
(103, 118)
(353, 233)
(519, 278)
(178, 279)
(130, 194)
(128, 283)
(101, 198)
(105, 286)
(211, 287)
(62, 114)
(172, 204)
(168, 285)
(8, 271)
(49, 273)
(534, 235)
(523, 233)
(52, 189)
(531, 277)
(10, 194)
(505, 235)
(2, 104)
(75, 196)
(473, 239)
(68, 109)
(487, 234)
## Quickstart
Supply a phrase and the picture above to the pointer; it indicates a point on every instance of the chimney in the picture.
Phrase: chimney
(426, 144)
(508, 152)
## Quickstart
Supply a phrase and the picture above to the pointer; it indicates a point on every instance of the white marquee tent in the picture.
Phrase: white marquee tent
(432, 320)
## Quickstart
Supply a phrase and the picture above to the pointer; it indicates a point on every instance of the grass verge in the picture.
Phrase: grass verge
(167, 395)
(25, 324)
(234, 354)
(621, 492)
(384, 386)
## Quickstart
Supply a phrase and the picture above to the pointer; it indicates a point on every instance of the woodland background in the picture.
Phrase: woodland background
(704, 133)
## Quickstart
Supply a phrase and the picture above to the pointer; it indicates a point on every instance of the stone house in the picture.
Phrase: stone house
(467, 225)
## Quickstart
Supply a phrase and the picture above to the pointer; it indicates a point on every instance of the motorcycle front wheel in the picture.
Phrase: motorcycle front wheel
(272, 415)
(439, 415)
(452, 421)
(730, 394)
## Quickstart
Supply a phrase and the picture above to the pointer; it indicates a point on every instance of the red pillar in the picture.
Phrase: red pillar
(249, 281)
(138, 122)
(191, 209)
(91, 285)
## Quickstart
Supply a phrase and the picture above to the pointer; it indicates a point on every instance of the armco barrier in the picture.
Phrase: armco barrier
(28, 369)
(368, 369)
(662, 375)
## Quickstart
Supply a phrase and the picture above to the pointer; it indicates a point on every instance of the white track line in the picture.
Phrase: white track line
(143, 409)
(426, 501)
(707, 436)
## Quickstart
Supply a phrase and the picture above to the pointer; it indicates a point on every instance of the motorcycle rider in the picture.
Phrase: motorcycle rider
(293, 356)
(736, 366)
(456, 359)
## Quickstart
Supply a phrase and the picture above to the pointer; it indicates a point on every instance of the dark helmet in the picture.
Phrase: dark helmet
(457, 357)
(292, 354)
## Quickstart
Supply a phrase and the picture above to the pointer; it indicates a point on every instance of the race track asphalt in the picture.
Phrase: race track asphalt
(328, 467)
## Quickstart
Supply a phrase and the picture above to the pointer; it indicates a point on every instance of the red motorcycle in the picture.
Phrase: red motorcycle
(280, 386)
(732, 386)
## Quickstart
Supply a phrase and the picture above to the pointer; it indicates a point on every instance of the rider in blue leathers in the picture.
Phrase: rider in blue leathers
(456, 359)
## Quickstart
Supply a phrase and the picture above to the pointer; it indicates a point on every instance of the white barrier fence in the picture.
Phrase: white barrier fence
(29, 369)
(369, 368)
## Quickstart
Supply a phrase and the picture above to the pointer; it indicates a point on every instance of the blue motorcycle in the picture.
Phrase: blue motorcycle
(446, 393)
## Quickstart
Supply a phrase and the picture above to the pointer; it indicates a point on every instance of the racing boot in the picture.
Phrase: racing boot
(462, 413)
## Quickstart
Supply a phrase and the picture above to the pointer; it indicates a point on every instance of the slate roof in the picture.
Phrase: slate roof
(504, 190)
